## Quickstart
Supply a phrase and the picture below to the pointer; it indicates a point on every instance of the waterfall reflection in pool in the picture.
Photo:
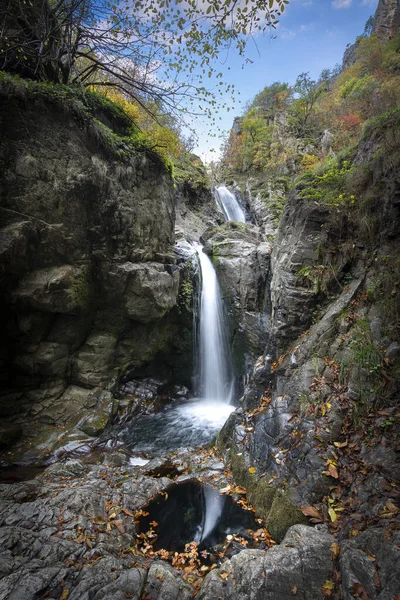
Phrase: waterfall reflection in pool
(196, 512)
(192, 423)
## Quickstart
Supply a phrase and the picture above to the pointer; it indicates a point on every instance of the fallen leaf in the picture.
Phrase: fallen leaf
(332, 514)
(294, 590)
(335, 549)
(64, 595)
(328, 587)
(359, 591)
(340, 444)
(310, 511)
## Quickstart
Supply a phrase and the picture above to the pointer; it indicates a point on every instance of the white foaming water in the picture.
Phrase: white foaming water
(215, 380)
(229, 205)
(206, 413)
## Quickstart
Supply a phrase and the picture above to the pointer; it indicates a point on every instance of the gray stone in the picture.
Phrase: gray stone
(151, 292)
(299, 566)
(57, 290)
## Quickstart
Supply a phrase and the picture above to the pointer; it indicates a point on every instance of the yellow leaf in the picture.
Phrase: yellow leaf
(354, 532)
(252, 470)
(340, 444)
(332, 514)
(335, 549)
(328, 585)
(64, 595)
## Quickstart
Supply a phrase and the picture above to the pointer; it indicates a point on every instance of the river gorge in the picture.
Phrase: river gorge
(199, 374)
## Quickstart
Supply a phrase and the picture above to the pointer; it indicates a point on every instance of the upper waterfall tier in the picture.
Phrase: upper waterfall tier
(229, 205)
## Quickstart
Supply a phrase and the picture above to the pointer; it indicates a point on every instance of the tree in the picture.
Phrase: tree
(307, 92)
(154, 49)
(272, 100)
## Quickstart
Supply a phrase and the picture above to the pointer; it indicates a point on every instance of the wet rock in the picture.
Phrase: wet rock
(105, 407)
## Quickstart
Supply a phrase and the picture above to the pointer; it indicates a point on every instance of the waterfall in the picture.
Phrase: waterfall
(194, 421)
(215, 376)
(229, 205)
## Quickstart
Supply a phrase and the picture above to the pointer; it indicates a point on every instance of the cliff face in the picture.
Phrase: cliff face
(88, 269)
(321, 434)
(386, 19)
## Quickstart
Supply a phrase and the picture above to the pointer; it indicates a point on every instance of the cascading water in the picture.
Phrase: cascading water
(229, 205)
(215, 380)
(194, 422)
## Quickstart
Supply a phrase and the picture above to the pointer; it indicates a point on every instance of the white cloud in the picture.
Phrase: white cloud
(307, 27)
(287, 34)
(341, 3)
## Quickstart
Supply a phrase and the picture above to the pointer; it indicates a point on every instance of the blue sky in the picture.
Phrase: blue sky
(312, 35)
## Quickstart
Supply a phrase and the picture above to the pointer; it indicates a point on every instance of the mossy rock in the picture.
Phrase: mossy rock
(95, 424)
(275, 507)
(282, 515)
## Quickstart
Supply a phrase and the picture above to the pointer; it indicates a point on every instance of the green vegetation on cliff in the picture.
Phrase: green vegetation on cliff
(311, 130)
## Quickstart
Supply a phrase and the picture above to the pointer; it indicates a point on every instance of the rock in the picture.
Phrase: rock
(93, 364)
(241, 259)
(326, 142)
(104, 409)
(151, 292)
(63, 289)
(387, 19)
(9, 433)
(299, 566)
(163, 583)
(380, 577)
(15, 242)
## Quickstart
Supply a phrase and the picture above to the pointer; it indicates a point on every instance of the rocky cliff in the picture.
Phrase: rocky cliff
(89, 275)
